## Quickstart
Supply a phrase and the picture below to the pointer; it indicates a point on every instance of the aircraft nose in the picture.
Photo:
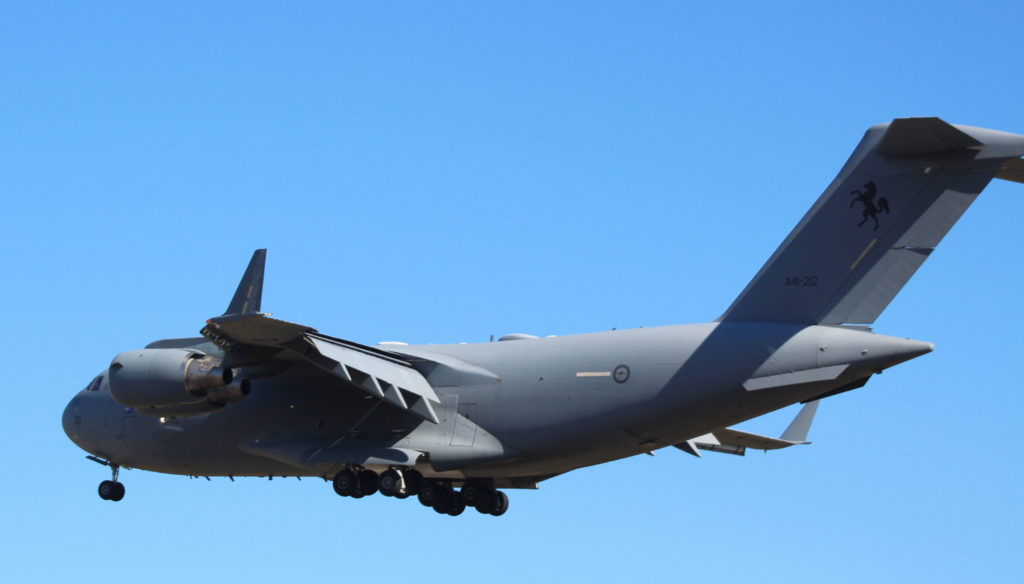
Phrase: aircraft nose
(75, 421)
(68, 419)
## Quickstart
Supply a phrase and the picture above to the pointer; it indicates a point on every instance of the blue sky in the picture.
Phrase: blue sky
(443, 173)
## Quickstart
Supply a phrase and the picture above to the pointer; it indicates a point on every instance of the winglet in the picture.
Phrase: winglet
(250, 290)
(801, 424)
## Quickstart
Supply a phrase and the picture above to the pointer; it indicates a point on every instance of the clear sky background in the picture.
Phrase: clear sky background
(444, 172)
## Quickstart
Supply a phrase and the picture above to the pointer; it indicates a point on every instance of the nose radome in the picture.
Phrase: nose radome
(72, 421)
(67, 420)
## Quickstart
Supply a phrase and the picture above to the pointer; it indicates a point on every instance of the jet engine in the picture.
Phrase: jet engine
(173, 382)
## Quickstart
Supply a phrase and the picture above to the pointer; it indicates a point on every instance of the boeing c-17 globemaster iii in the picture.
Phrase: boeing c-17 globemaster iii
(456, 424)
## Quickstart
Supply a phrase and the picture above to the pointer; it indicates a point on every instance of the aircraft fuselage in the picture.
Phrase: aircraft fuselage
(513, 409)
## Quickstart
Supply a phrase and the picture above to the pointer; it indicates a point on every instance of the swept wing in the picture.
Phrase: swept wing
(250, 338)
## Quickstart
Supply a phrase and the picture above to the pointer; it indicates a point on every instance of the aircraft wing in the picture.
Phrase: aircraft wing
(250, 338)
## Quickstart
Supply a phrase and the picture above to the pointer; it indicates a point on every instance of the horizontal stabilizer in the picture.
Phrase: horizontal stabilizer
(921, 136)
(731, 441)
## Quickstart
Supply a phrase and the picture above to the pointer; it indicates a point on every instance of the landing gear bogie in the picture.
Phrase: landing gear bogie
(438, 494)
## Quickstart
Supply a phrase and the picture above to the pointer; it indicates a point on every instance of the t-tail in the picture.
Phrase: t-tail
(897, 196)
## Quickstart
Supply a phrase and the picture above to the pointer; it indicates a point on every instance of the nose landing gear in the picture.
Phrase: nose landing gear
(112, 490)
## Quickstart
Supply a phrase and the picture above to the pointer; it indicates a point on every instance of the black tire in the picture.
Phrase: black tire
(390, 483)
(367, 482)
(470, 491)
(430, 493)
(444, 502)
(413, 481)
(501, 504)
(345, 483)
(485, 501)
(106, 490)
(118, 492)
(456, 504)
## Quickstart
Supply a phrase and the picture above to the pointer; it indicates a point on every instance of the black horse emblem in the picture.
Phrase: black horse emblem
(867, 196)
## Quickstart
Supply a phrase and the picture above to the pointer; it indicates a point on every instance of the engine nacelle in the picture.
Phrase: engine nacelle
(162, 378)
(213, 402)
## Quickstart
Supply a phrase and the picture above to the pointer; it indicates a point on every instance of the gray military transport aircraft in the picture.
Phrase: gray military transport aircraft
(256, 396)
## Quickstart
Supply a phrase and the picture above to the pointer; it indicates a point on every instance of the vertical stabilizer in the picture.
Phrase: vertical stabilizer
(897, 196)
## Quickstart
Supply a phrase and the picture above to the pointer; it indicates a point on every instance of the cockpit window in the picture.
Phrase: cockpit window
(95, 385)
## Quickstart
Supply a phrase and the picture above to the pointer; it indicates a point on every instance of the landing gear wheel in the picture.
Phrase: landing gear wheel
(456, 504)
(413, 481)
(430, 493)
(367, 482)
(345, 483)
(444, 501)
(470, 491)
(390, 483)
(106, 490)
(501, 504)
(111, 491)
(485, 501)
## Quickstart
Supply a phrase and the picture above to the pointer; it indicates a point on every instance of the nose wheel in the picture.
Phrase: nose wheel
(112, 490)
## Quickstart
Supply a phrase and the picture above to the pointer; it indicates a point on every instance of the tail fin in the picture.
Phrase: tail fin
(901, 191)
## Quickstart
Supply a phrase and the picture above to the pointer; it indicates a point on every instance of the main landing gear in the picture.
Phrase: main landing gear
(439, 495)
(112, 490)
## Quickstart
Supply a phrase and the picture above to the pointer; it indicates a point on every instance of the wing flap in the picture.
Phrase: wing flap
(386, 379)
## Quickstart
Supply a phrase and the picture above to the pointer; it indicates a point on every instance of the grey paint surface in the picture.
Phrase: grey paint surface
(519, 411)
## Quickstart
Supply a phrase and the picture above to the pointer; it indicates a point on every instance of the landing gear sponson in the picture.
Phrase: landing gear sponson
(440, 495)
